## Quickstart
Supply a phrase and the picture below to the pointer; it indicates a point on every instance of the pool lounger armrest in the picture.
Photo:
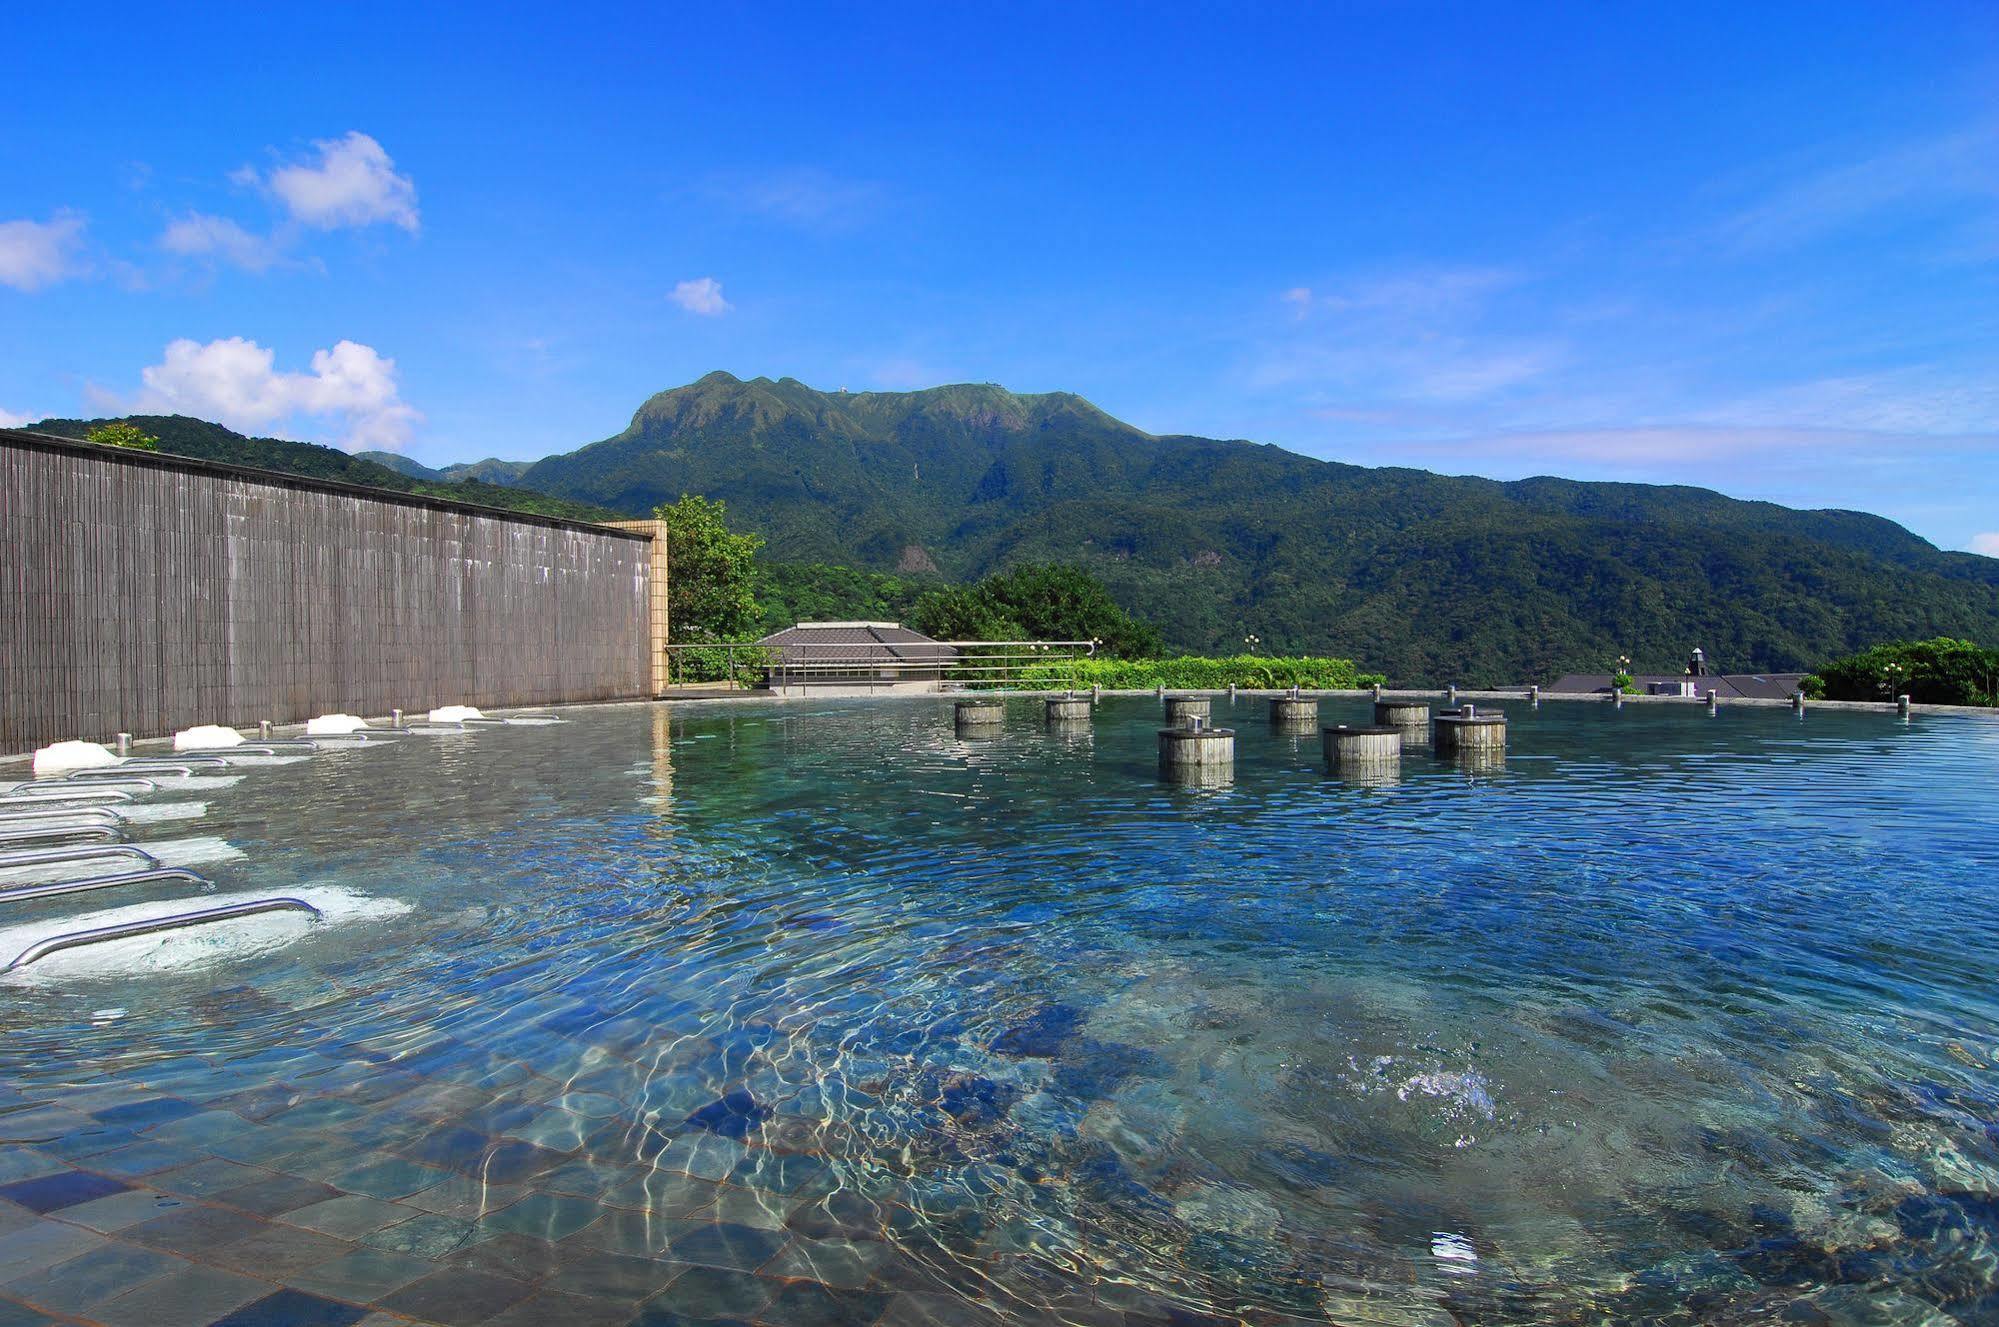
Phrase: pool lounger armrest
(41, 949)
(10, 812)
(49, 833)
(27, 893)
(80, 852)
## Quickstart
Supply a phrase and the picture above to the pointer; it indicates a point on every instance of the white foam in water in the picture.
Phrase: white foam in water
(191, 949)
(454, 713)
(206, 738)
(335, 725)
(192, 852)
(62, 757)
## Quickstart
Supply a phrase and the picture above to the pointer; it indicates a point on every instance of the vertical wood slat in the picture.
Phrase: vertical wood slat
(144, 594)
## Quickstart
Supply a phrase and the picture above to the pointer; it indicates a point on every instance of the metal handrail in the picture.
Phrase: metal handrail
(51, 811)
(171, 762)
(62, 790)
(28, 892)
(23, 797)
(81, 852)
(70, 785)
(223, 753)
(41, 949)
(114, 774)
(47, 833)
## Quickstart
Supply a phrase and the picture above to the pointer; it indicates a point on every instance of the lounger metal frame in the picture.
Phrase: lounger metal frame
(53, 944)
(70, 830)
(80, 852)
(25, 893)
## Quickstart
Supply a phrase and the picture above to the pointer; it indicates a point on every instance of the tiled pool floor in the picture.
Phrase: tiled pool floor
(478, 1193)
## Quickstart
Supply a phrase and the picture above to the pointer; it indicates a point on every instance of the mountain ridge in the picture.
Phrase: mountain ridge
(1431, 577)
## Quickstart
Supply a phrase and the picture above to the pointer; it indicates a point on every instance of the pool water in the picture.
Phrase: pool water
(818, 1013)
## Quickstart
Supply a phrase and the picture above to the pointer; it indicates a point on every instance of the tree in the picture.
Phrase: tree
(1941, 671)
(1037, 602)
(711, 573)
(118, 433)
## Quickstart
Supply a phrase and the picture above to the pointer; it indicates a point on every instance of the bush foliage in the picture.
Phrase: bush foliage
(1941, 671)
(1198, 673)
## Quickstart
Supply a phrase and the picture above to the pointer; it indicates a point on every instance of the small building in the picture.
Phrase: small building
(855, 659)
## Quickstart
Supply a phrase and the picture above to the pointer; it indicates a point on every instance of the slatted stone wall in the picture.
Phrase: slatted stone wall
(146, 593)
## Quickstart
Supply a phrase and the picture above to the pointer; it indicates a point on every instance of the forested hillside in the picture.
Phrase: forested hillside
(211, 442)
(1424, 576)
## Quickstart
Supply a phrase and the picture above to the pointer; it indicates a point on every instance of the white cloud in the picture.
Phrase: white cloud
(10, 420)
(1988, 544)
(234, 382)
(353, 183)
(199, 235)
(34, 254)
(703, 295)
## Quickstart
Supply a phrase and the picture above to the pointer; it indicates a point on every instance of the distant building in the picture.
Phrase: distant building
(855, 659)
(1696, 680)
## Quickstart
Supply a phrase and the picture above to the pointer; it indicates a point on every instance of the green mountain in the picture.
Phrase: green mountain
(211, 442)
(1426, 577)
(492, 470)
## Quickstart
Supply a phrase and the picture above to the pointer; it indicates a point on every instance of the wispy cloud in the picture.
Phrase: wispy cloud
(1959, 170)
(1379, 344)
(806, 197)
(1988, 544)
(34, 254)
(10, 420)
(351, 388)
(199, 235)
(702, 295)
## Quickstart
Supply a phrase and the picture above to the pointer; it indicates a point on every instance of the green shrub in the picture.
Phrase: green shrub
(1197, 673)
(1931, 672)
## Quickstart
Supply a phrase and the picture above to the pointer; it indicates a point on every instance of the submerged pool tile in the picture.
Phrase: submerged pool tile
(844, 1263)
(210, 1176)
(23, 1163)
(140, 1115)
(512, 1161)
(277, 1252)
(521, 1257)
(52, 1193)
(42, 1245)
(363, 1276)
(293, 1308)
(622, 1277)
(425, 1235)
(20, 1315)
(545, 1308)
(120, 1210)
(809, 1304)
(90, 1278)
(457, 1297)
(465, 1196)
(453, 1147)
(705, 1293)
(542, 1215)
(389, 1178)
(146, 1157)
(350, 1216)
(277, 1195)
(742, 1248)
(191, 1296)
(195, 1230)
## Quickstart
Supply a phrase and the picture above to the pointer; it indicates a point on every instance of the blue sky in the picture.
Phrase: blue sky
(1754, 247)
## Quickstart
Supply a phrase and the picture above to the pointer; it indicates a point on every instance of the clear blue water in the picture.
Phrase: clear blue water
(1670, 1017)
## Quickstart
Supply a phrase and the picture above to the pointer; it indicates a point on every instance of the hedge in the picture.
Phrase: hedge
(1196, 673)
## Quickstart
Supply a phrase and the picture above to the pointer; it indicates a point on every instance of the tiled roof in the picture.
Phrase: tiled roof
(855, 642)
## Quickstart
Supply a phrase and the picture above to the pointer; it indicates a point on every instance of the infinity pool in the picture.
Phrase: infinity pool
(816, 1013)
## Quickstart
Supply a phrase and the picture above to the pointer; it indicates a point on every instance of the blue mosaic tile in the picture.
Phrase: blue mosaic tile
(732, 1115)
(52, 1193)
(92, 1277)
(146, 1114)
(293, 1308)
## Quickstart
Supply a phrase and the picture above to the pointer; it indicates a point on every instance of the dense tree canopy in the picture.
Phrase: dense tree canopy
(1931, 672)
(712, 574)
